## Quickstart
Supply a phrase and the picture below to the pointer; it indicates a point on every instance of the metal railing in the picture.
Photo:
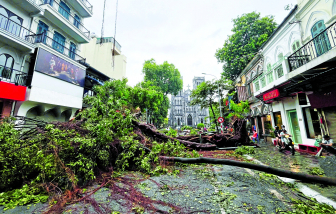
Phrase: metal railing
(109, 40)
(15, 28)
(87, 5)
(13, 76)
(42, 38)
(70, 18)
(316, 47)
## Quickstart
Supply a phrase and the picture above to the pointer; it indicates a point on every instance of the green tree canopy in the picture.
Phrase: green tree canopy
(165, 76)
(250, 31)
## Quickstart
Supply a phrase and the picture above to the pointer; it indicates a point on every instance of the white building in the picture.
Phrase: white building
(40, 51)
(182, 113)
(98, 53)
(297, 80)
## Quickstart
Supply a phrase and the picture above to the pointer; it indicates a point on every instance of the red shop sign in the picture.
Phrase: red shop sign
(271, 95)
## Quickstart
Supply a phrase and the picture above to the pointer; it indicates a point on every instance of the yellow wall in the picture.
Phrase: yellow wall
(99, 56)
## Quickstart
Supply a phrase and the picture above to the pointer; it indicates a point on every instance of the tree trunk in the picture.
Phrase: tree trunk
(267, 169)
(214, 116)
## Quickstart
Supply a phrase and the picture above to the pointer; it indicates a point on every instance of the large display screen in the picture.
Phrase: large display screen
(55, 66)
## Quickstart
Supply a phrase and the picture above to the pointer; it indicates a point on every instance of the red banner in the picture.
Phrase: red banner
(271, 95)
(12, 92)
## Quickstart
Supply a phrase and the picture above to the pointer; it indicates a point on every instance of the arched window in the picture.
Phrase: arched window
(269, 67)
(321, 41)
(295, 45)
(280, 56)
(6, 66)
(10, 21)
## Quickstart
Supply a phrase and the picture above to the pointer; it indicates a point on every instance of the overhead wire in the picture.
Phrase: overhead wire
(115, 32)
(102, 29)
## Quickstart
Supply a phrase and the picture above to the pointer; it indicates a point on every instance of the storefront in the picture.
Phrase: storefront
(10, 93)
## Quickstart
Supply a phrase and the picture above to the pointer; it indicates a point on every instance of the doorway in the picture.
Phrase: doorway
(260, 129)
(189, 120)
(294, 126)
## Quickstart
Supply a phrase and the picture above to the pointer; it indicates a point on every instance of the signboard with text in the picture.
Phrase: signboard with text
(271, 95)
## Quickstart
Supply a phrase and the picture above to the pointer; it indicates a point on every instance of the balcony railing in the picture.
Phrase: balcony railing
(109, 40)
(70, 18)
(14, 28)
(42, 38)
(316, 47)
(87, 5)
(13, 76)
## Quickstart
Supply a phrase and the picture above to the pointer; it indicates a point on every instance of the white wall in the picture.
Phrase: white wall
(47, 89)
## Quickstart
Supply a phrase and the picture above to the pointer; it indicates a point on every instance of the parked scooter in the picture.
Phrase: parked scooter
(289, 144)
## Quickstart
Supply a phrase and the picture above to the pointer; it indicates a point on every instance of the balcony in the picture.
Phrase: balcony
(31, 6)
(42, 38)
(315, 48)
(15, 35)
(83, 7)
(65, 21)
(11, 75)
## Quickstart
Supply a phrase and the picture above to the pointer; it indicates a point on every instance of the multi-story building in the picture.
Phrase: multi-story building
(182, 113)
(298, 82)
(41, 52)
(99, 54)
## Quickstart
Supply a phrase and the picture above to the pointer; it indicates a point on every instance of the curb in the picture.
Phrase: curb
(303, 188)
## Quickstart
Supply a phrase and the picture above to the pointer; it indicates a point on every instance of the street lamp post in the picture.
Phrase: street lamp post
(220, 105)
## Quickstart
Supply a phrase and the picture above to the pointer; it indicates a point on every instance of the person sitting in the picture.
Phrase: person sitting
(283, 134)
(327, 144)
(255, 136)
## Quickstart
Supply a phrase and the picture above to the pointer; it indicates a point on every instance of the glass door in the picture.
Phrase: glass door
(42, 31)
(64, 10)
(294, 127)
(58, 43)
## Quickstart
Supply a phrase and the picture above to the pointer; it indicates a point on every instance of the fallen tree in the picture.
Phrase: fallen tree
(237, 138)
(267, 169)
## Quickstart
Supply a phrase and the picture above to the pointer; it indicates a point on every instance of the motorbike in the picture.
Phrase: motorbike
(289, 144)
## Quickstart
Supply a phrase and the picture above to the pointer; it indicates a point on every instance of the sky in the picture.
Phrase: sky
(186, 33)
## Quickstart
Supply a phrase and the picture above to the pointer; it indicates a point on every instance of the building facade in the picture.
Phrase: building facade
(182, 113)
(297, 82)
(98, 53)
(40, 57)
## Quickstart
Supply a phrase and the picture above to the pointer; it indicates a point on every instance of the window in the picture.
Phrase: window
(6, 66)
(256, 85)
(321, 41)
(269, 67)
(263, 81)
(51, 2)
(10, 21)
(295, 46)
(58, 42)
(77, 21)
(64, 10)
(279, 71)
(270, 77)
(312, 122)
(72, 52)
(280, 57)
(42, 28)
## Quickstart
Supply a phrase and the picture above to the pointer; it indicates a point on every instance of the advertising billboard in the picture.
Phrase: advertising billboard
(55, 66)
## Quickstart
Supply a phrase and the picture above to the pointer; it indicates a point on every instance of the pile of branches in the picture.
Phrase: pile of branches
(237, 138)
